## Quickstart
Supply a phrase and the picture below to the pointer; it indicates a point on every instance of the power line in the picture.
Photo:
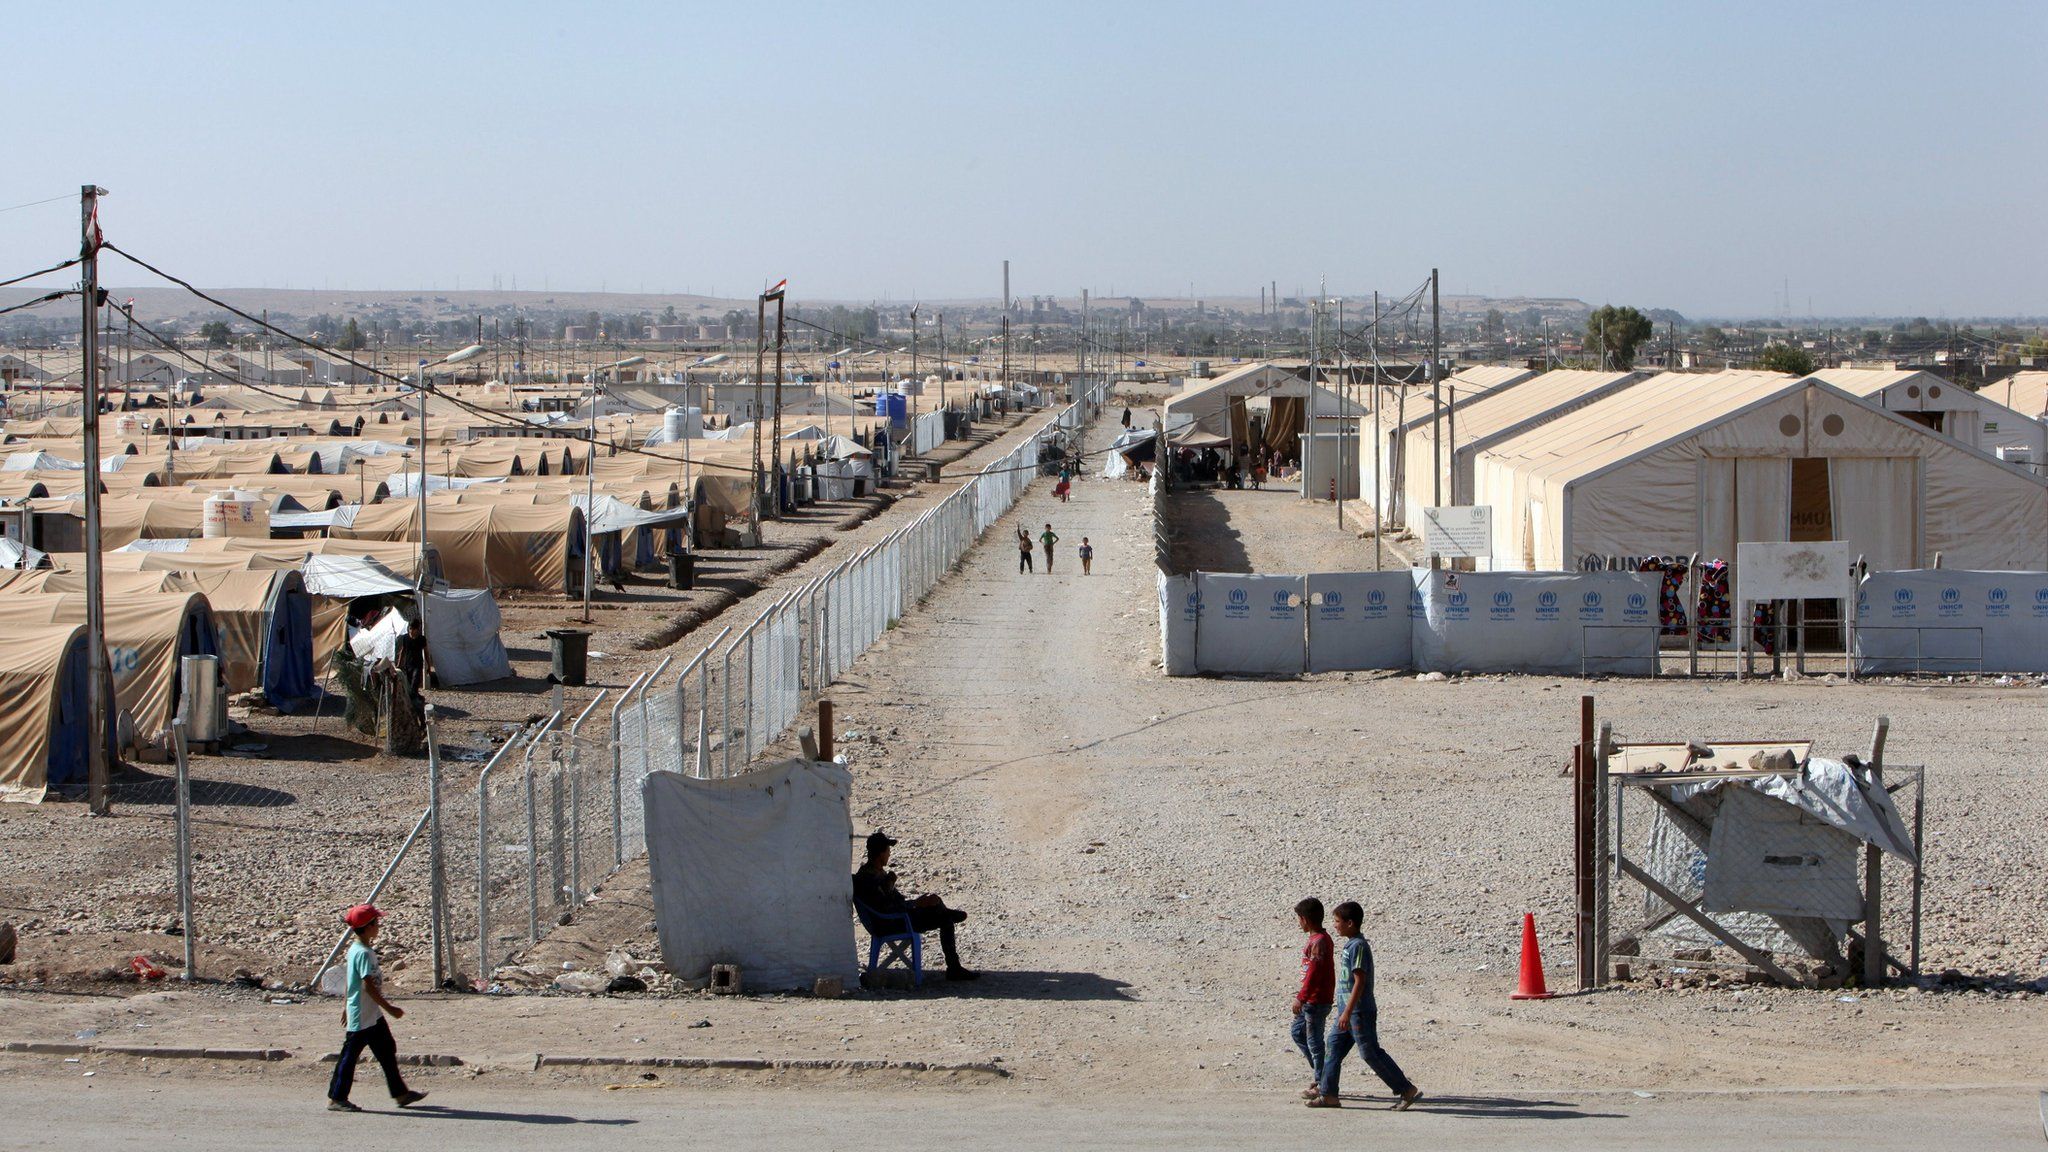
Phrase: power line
(45, 272)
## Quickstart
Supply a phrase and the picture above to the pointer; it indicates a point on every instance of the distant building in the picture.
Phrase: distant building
(576, 332)
(671, 333)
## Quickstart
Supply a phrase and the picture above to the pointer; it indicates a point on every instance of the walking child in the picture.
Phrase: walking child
(1048, 538)
(1087, 552)
(1356, 1023)
(1023, 549)
(1312, 999)
(364, 1007)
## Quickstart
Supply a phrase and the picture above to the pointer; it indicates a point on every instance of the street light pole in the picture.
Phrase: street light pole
(97, 707)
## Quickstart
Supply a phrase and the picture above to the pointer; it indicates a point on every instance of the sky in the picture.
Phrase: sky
(1831, 159)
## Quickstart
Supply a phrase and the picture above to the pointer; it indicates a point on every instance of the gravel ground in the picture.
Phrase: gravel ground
(1128, 847)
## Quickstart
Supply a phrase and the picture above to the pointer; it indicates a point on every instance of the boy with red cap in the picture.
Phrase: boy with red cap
(364, 1008)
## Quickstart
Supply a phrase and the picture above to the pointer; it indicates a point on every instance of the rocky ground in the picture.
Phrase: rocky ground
(1128, 847)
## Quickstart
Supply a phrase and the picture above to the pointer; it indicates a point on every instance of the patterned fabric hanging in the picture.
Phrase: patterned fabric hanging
(1714, 614)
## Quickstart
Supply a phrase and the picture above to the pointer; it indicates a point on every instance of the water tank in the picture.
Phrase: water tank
(129, 424)
(674, 421)
(203, 704)
(233, 513)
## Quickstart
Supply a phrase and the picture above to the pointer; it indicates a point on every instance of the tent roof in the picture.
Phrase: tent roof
(1665, 407)
(2023, 392)
(1497, 411)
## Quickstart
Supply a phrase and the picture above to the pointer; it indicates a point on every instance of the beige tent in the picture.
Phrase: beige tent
(146, 634)
(43, 680)
(1973, 418)
(494, 546)
(1400, 410)
(1689, 463)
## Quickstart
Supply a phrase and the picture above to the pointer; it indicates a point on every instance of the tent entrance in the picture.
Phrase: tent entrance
(1813, 519)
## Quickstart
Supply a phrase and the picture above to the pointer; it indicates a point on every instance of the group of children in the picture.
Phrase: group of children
(1337, 975)
(1048, 538)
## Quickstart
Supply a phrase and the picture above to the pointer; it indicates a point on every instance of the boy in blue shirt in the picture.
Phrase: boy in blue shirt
(363, 1010)
(1356, 1021)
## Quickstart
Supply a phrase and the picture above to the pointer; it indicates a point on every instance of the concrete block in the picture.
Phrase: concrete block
(725, 979)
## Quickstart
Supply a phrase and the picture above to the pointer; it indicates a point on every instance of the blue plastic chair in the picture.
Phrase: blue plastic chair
(892, 930)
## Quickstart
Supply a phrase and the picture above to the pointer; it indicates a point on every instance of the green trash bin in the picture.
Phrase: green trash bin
(682, 570)
(569, 652)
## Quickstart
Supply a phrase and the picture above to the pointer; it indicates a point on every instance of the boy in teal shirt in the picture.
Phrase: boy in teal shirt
(364, 1009)
(1356, 1022)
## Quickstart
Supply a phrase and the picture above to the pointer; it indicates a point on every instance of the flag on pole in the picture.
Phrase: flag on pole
(776, 293)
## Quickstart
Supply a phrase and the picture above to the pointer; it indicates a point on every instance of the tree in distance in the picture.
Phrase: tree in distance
(1618, 332)
(351, 336)
(216, 333)
(1786, 358)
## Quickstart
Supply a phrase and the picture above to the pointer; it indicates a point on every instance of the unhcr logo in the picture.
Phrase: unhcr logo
(1376, 598)
(1238, 597)
(1637, 602)
(1333, 599)
(1546, 600)
(1951, 596)
(1996, 596)
(1503, 599)
(1457, 599)
(1590, 599)
(1902, 596)
(1283, 599)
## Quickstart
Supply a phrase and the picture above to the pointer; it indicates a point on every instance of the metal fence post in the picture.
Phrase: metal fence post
(618, 810)
(533, 832)
(436, 871)
(183, 837)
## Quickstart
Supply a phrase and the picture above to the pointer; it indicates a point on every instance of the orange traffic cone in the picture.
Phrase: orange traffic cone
(1530, 986)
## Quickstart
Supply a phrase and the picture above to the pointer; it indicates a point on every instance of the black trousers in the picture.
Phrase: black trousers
(377, 1038)
(942, 918)
(1024, 560)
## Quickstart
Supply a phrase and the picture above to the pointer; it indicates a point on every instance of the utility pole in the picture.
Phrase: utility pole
(775, 476)
(99, 720)
(1436, 393)
(945, 370)
(1378, 503)
(420, 387)
(760, 369)
(913, 362)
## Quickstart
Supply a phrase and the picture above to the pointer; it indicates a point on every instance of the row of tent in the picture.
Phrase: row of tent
(1904, 465)
(273, 613)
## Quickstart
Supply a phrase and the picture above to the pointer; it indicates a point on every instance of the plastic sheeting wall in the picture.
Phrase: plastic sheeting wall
(1944, 620)
(1602, 623)
(1250, 625)
(1599, 623)
(754, 870)
(1359, 620)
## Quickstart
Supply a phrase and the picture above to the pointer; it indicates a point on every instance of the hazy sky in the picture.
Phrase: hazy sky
(1882, 157)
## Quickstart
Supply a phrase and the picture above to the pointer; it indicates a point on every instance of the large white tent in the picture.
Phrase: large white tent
(1973, 418)
(1693, 463)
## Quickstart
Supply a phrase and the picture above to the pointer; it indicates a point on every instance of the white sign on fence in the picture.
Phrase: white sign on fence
(1459, 532)
(1811, 570)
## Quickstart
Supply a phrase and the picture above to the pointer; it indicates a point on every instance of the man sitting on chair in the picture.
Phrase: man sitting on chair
(874, 886)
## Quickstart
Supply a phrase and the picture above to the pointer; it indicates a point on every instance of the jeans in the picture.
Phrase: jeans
(942, 918)
(377, 1038)
(1363, 1034)
(1024, 560)
(1308, 1035)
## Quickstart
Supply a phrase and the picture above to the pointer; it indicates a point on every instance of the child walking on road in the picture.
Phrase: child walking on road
(1312, 999)
(1023, 549)
(1357, 1020)
(1087, 553)
(1048, 538)
(363, 1010)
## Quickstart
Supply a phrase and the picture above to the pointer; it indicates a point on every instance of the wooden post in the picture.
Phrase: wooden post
(1873, 870)
(824, 729)
(1584, 801)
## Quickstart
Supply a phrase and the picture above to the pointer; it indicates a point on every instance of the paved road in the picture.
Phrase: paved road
(119, 1109)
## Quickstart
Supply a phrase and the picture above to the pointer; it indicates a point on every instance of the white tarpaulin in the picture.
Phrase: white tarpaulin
(754, 870)
(347, 577)
(1951, 620)
(462, 637)
(1249, 625)
(1562, 624)
(1359, 620)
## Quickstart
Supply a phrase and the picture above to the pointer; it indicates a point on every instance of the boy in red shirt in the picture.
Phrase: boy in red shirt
(1318, 985)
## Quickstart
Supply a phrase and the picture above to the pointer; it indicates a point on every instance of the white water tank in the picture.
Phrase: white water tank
(233, 513)
(129, 424)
